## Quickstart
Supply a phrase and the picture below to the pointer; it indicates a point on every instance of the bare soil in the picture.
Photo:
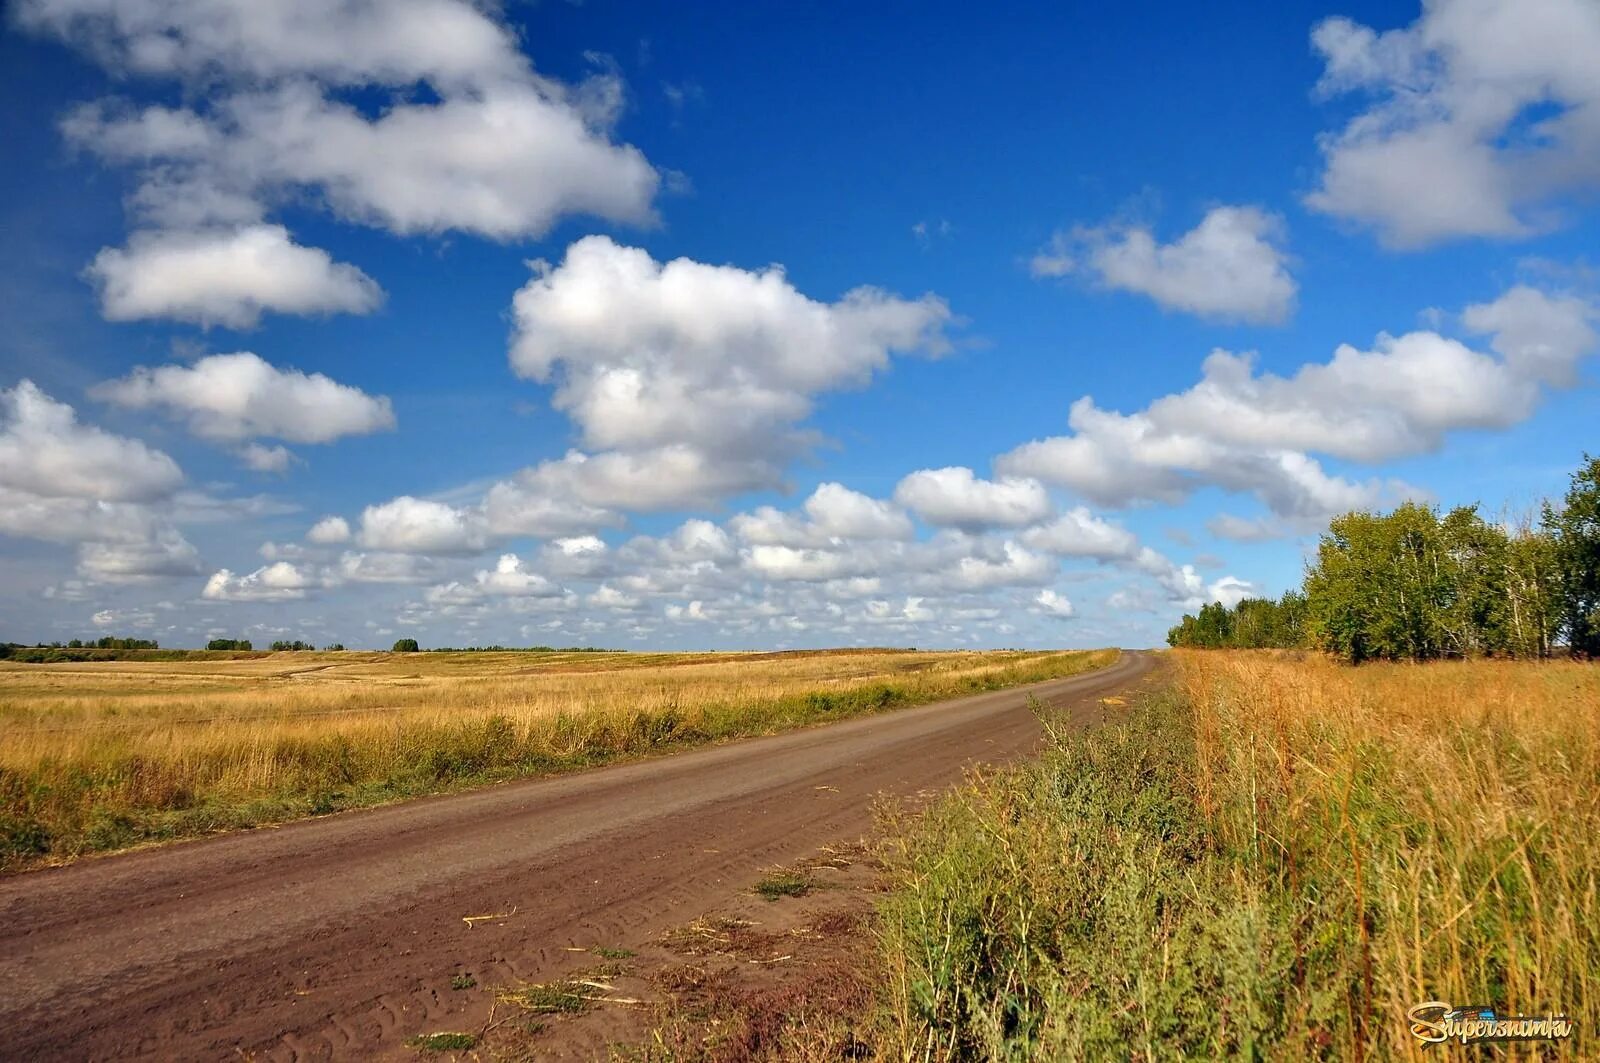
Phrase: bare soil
(341, 937)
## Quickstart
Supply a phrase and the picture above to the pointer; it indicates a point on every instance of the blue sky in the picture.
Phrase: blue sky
(542, 315)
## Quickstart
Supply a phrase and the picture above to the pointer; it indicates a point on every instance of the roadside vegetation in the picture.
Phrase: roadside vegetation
(1274, 859)
(108, 754)
(1416, 585)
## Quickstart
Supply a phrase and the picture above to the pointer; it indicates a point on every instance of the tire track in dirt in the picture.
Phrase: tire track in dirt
(337, 938)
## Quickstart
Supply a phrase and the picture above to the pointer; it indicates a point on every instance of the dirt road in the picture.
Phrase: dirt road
(337, 938)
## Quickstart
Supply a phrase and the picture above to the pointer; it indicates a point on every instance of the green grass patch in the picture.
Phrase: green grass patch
(785, 883)
(443, 1042)
(568, 996)
(1072, 909)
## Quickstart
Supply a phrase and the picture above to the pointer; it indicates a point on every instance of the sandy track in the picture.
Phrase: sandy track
(336, 938)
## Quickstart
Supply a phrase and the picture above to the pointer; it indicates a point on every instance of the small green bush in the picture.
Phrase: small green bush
(22, 838)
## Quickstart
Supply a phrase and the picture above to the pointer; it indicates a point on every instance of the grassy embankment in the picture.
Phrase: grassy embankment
(1274, 860)
(105, 755)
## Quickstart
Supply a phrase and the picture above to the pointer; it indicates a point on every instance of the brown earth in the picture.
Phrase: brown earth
(339, 937)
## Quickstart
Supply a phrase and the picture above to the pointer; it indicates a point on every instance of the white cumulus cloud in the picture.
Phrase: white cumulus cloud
(165, 555)
(1079, 533)
(955, 497)
(1541, 336)
(226, 276)
(1016, 565)
(280, 581)
(1481, 121)
(329, 530)
(1053, 604)
(491, 147)
(258, 458)
(832, 512)
(1232, 266)
(1254, 432)
(408, 525)
(357, 566)
(689, 381)
(511, 578)
(47, 451)
(63, 481)
(234, 397)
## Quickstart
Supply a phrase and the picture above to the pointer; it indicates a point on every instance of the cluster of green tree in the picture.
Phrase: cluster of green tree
(109, 642)
(520, 649)
(283, 644)
(1255, 623)
(229, 644)
(63, 651)
(1412, 584)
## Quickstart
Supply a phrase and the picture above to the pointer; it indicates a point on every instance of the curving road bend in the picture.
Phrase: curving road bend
(335, 938)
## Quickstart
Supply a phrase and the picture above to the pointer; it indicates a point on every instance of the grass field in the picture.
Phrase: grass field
(1273, 860)
(108, 754)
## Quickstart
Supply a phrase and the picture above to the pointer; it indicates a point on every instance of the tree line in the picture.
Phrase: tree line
(280, 646)
(1415, 584)
(50, 652)
(513, 649)
(61, 651)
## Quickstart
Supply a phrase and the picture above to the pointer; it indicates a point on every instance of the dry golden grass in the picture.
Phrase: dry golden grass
(1451, 813)
(104, 754)
(1273, 860)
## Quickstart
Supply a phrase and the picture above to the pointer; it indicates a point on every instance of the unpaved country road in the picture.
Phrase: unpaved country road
(336, 938)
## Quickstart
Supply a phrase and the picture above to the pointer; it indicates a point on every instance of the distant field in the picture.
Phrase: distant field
(106, 754)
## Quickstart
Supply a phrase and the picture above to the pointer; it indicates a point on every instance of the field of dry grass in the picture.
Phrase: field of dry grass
(1447, 815)
(105, 754)
(1274, 860)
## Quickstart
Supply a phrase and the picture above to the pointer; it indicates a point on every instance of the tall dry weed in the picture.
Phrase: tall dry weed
(1274, 859)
